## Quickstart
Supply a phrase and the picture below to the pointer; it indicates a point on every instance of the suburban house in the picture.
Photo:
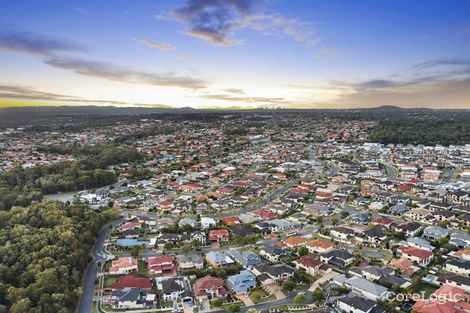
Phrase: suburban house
(273, 253)
(340, 258)
(123, 265)
(132, 281)
(420, 256)
(294, 242)
(458, 266)
(269, 273)
(434, 233)
(247, 259)
(210, 287)
(208, 222)
(131, 298)
(356, 304)
(362, 287)
(242, 282)
(189, 261)
(219, 235)
(410, 229)
(175, 288)
(319, 246)
(219, 259)
(199, 236)
(460, 240)
(161, 265)
(310, 265)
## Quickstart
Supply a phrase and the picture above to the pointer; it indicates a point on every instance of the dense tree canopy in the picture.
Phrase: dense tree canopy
(20, 186)
(44, 250)
(426, 130)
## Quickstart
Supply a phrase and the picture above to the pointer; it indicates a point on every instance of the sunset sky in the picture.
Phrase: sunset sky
(236, 53)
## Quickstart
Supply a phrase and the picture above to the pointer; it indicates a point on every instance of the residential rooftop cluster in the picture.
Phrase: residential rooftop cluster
(231, 213)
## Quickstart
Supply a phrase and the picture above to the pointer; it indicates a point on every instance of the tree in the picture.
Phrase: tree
(288, 286)
(136, 251)
(302, 251)
(318, 295)
(234, 308)
(50, 244)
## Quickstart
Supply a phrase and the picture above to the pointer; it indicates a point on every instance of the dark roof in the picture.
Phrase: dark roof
(363, 304)
(275, 269)
(170, 286)
(341, 254)
(460, 263)
(412, 226)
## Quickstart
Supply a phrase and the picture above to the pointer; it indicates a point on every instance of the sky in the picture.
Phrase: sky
(236, 53)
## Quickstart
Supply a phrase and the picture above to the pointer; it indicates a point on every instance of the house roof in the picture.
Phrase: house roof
(416, 252)
(129, 281)
(325, 244)
(360, 303)
(308, 261)
(211, 283)
(294, 241)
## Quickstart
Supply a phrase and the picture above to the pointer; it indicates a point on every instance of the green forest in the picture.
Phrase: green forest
(427, 130)
(44, 251)
(21, 186)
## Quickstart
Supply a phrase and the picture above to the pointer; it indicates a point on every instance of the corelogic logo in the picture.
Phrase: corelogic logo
(441, 299)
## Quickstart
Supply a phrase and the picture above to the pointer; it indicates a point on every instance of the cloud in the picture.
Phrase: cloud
(213, 20)
(34, 43)
(20, 92)
(115, 72)
(234, 90)
(443, 63)
(12, 92)
(218, 20)
(27, 93)
(157, 45)
(278, 25)
(224, 97)
(327, 53)
(433, 83)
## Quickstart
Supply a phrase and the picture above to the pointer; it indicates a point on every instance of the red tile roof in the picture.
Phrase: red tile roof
(419, 253)
(131, 281)
(308, 261)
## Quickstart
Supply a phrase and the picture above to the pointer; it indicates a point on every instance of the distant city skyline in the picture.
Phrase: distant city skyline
(236, 53)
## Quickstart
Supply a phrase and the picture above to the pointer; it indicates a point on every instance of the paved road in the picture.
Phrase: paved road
(258, 204)
(447, 175)
(392, 172)
(271, 304)
(86, 302)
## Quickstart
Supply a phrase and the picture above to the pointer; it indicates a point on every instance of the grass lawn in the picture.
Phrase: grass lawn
(142, 269)
(109, 280)
(258, 295)
(302, 287)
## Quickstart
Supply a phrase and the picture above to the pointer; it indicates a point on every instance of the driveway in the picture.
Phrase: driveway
(246, 300)
(325, 278)
(275, 289)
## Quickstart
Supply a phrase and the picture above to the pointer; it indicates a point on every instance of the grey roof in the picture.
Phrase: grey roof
(421, 242)
(436, 230)
(127, 294)
(359, 303)
(365, 285)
